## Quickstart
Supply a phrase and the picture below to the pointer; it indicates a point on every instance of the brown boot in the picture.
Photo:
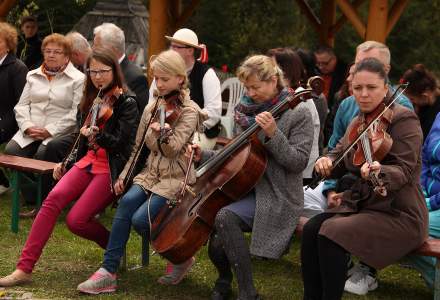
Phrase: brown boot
(18, 277)
(28, 214)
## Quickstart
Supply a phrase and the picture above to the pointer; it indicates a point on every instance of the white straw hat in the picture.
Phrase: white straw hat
(185, 36)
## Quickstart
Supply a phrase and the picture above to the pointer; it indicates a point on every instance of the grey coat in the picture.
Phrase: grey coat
(279, 193)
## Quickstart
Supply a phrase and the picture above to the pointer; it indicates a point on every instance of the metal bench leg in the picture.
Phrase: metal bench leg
(39, 190)
(15, 184)
(145, 250)
(437, 281)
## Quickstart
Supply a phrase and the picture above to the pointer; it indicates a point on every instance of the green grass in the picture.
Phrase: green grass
(68, 260)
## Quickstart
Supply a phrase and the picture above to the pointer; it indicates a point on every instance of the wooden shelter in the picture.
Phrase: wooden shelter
(168, 15)
(130, 15)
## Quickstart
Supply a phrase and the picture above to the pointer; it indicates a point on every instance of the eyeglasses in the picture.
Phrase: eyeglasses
(324, 63)
(94, 73)
(172, 46)
(54, 52)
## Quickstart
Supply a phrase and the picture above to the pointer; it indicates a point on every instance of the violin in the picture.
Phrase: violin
(168, 112)
(370, 139)
(375, 144)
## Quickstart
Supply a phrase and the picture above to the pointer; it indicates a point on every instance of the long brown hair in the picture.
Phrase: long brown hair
(107, 58)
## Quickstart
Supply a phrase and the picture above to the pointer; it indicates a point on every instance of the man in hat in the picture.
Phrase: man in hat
(204, 84)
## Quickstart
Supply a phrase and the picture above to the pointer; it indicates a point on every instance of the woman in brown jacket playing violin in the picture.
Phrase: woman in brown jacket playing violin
(378, 224)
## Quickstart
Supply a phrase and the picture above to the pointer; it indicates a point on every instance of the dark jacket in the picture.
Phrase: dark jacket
(29, 51)
(136, 82)
(117, 136)
(12, 80)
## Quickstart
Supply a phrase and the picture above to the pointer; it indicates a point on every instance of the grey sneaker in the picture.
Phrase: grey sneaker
(178, 272)
(101, 281)
(360, 281)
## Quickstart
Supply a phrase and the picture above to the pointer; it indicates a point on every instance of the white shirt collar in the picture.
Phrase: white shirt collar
(3, 58)
(121, 58)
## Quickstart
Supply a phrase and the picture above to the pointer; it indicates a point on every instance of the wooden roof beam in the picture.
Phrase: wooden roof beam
(395, 13)
(310, 15)
(377, 21)
(5, 7)
(349, 11)
(343, 19)
(187, 12)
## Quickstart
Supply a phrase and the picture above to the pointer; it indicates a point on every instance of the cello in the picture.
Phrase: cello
(182, 228)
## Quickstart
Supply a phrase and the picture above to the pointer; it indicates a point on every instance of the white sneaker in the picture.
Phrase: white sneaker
(360, 282)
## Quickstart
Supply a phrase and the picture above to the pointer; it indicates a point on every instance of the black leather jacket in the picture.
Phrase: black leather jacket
(117, 136)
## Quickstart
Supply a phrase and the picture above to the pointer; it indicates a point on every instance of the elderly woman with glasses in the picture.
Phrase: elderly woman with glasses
(47, 107)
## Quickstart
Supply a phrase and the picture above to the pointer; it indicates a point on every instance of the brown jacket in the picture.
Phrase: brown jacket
(381, 230)
(165, 168)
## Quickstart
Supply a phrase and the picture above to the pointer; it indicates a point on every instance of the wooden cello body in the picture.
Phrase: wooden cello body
(178, 232)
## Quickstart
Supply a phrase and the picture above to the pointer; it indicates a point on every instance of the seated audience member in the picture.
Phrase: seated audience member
(272, 208)
(204, 84)
(161, 176)
(110, 36)
(310, 70)
(29, 48)
(48, 104)
(430, 180)
(362, 278)
(102, 152)
(340, 95)
(293, 71)
(332, 69)
(81, 50)
(395, 208)
(12, 80)
(424, 93)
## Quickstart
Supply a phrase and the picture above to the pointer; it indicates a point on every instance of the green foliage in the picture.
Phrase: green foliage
(53, 15)
(233, 29)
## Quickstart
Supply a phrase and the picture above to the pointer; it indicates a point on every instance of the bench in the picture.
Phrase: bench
(19, 166)
(431, 248)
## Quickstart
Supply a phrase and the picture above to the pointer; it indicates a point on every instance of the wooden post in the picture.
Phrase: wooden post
(159, 24)
(377, 21)
(5, 7)
(328, 17)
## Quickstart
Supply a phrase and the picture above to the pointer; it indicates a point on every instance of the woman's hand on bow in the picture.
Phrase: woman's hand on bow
(58, 171)
(197, 152)
(119, 187)
(323, 166)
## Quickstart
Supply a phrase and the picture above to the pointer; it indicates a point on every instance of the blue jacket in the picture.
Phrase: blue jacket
(431, 166)
(347, 111)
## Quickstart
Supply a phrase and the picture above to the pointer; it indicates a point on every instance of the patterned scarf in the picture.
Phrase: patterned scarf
(51, 72)
(246, 110)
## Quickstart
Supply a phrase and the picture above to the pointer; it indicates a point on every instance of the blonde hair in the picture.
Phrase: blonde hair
(59, 39)
(170, 62)
(263, 67)
(383, 50)
(9, 34)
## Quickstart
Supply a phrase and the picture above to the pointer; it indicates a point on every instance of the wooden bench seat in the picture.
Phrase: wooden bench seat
(19, 166)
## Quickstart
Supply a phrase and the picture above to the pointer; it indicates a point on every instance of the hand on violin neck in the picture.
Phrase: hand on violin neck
(89, 131)
(267, 123)
(368, 169)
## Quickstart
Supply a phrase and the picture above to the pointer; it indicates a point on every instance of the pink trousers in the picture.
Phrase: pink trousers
(92, 194)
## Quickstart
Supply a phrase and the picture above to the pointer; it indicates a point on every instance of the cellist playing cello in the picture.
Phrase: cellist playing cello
(380, 215)
(272, 209)
(160, 178)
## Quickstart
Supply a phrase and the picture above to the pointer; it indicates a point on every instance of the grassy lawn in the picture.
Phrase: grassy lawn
(68, 260)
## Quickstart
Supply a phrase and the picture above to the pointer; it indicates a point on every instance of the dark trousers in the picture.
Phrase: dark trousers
(54, 151)
(323, 262)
